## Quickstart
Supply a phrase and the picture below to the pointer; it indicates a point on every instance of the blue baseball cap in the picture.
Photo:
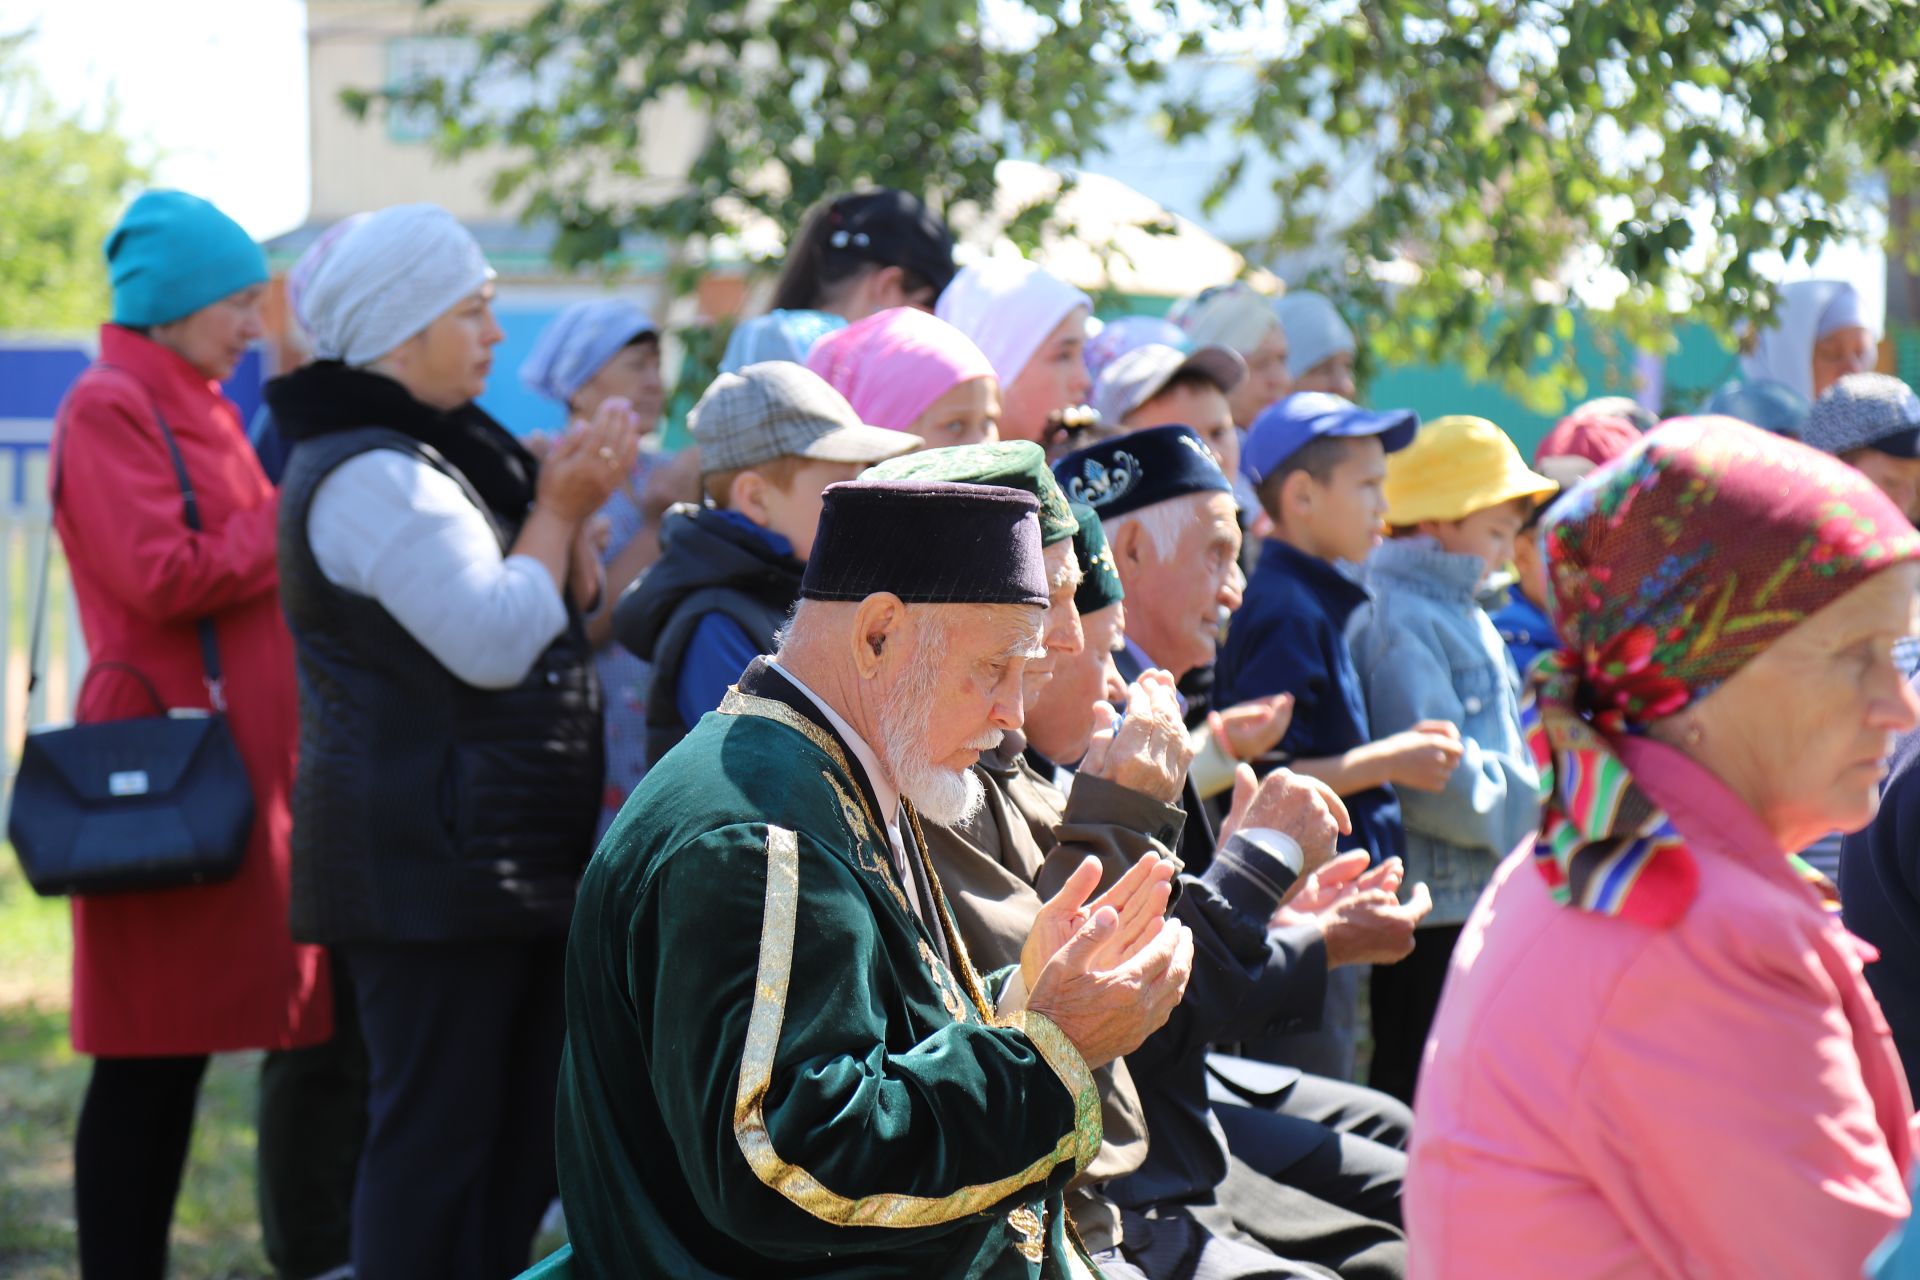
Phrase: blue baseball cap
(1283, 429)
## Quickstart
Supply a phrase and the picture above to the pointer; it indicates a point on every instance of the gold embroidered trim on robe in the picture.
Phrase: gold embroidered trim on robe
(737, 703)
(763, 1045)
(1074, 1073)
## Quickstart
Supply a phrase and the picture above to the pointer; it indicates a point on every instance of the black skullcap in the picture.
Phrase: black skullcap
(1139, 469)
(893, 229)
(928, 543)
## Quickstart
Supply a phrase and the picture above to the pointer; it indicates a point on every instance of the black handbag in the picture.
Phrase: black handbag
(152, 802)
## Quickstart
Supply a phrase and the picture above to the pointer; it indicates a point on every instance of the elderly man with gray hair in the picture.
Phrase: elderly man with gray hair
(1173, 529)
(780, 1059)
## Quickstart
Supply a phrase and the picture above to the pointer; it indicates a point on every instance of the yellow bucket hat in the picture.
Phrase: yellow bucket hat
(1456, 466)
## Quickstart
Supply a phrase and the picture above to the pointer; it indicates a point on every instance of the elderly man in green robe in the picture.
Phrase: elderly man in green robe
(780, 1060)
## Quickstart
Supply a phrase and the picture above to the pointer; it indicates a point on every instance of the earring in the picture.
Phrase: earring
(1694, 735)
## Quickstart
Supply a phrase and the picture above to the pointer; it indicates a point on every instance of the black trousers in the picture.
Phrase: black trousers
(135, 1124)
(463, 1042)
(313, 1122)
(1258, 1229)
(1405, 997)
(1340, 1143)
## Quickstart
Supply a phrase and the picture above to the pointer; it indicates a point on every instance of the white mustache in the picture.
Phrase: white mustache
(987, 741)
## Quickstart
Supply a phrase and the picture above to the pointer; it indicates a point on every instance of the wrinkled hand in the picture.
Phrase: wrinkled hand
(1293, 804)
(1114, 982)
(1149, 750)
(585, 466)
(1254, 729)
(1142, 892)
(1370, 925)
(1319, 890)
(1425, 756)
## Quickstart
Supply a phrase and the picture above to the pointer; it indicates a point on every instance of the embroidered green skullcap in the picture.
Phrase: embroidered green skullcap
(1012, 464)
(1099, 575)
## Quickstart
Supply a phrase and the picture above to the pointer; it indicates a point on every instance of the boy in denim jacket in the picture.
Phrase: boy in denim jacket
(1426, 651)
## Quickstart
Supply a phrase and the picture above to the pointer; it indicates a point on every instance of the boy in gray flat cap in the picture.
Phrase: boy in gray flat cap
(771, 437)
(1872, 422)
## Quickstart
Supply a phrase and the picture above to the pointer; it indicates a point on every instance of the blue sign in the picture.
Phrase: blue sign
(35, 377)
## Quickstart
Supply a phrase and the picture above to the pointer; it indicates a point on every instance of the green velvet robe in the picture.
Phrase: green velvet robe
(768, 1069)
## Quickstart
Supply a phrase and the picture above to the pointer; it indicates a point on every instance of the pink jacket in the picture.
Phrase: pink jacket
(1601, 1099)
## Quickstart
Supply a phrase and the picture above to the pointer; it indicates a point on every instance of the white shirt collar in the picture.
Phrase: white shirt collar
(884, 791)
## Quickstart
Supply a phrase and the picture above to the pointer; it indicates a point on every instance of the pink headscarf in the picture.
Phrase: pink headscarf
(893, 364)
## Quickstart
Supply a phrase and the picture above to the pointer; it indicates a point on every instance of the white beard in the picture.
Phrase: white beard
(945, 797)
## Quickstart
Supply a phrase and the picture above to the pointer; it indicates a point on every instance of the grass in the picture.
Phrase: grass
(216, 1225)
(216, 1233)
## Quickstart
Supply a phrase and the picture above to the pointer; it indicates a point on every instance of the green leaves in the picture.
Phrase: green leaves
(1509, 155)
(1535, 150)
(63, 180)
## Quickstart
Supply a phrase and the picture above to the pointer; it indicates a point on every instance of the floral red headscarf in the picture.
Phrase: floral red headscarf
(1671, 568)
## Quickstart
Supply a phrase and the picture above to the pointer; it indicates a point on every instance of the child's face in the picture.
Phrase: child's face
(1349, 512)
(794, 512)
(1531, 566)
(1489, 533)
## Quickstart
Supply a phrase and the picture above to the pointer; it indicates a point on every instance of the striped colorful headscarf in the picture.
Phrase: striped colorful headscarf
(1670, 569)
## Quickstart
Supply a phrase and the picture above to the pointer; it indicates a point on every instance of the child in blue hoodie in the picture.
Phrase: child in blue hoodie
(1426, 651)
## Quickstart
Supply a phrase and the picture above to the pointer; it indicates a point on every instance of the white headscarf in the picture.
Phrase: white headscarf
(1808, 311)
(388, 278)
(1008, 306)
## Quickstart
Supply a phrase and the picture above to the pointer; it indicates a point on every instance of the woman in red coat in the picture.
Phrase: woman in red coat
(162, 979)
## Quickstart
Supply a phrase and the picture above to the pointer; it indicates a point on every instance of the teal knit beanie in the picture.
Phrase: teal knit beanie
(173, 254)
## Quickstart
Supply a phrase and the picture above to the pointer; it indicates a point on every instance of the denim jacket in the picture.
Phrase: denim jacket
(1426, 650)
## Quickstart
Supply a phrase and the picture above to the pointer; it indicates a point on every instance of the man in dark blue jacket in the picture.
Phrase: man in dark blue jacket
(1880, 897)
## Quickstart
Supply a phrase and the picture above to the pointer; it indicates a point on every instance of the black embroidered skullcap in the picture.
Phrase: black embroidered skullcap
(1139, 469)
(928, 543)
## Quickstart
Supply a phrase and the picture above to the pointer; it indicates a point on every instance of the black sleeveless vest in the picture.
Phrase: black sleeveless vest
(425, 809)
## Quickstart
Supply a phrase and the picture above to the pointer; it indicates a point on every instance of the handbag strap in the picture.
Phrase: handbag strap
(190, 504)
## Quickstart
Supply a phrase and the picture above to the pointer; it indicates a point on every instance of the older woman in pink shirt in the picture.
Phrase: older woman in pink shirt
(1656, 1055)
